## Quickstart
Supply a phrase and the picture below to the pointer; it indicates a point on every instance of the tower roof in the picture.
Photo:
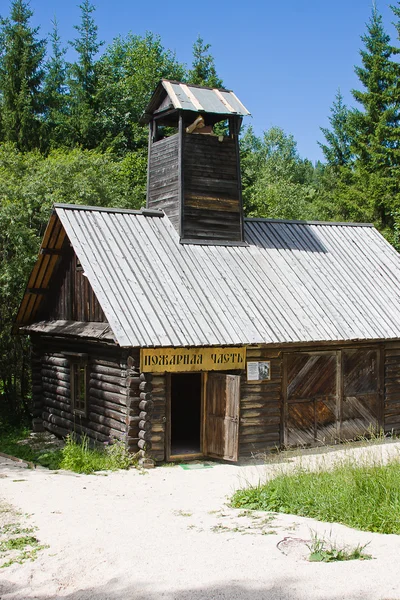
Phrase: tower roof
(181, 96)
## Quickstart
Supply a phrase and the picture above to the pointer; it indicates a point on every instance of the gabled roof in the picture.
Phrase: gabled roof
(295, 281)
(174, 94)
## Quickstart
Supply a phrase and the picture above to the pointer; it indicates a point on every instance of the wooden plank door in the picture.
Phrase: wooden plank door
(221, 426)
(310, 398)
(361, 406)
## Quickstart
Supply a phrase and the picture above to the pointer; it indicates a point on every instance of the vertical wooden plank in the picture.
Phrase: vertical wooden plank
(150, 143)
(181, 189)
(339, 387)
(168, 417)
(381, 385)
(285, 401)
(237, 120)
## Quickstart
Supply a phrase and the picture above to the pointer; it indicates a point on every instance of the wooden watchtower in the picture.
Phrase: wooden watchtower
(194, 167)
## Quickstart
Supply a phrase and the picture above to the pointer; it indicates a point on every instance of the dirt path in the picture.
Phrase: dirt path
(169, 534)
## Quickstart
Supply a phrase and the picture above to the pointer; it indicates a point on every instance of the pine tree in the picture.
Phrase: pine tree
(337, 150)
(203, 70)
(55, 90)
(376, 127)
(21, 76)
(83, 79)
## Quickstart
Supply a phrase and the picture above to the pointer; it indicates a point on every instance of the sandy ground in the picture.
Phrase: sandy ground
(168, 533)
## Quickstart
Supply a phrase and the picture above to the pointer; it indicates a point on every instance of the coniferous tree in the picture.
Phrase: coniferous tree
(83, 79)
(55, 91)
(203, 70)
(376, 126)
(337, 150)
(21, 76)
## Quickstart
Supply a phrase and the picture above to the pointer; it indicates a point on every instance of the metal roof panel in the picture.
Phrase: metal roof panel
(294, 282)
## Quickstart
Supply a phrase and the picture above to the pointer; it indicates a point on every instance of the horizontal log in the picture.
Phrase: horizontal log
(109, 396)
(57, 382)
(56, 403)
(114, 380)
(144, 445)
(145, 396)
(146, 405)
(106, 387)
(112, 414)
(107, 422)
(144, 415)
(145, 386)
(133, 382)
(145, 425)
(58, 431)
(144, 435)
(103, 362)
(53, 360)
(54, 389)
(37, 389)
(133, 432)
(113, 372)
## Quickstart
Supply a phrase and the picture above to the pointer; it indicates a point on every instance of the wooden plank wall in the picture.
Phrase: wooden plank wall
(163, 177)
(261, 407)
(108, 390)
(158, 426)
(72, 297)
(392, 390)
(211, 189)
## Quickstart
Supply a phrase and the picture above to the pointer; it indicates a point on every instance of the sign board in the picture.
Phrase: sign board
(175, 360)
(259, 371)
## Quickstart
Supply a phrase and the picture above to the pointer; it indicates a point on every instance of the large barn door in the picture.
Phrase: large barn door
(221, 426)
(361, 410)
(311, 393)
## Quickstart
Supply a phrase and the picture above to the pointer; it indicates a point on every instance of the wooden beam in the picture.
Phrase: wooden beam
(51, 252)
(37, 291)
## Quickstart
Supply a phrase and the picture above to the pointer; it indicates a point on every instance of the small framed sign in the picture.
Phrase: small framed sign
(259, 371)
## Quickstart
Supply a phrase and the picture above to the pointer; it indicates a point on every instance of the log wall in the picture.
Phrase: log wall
(163, 177)
(72, 297)
(261, 407)
(112, 382)
(392, 390)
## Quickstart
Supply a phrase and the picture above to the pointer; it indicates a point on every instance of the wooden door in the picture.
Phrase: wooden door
(221, 426)
(311, 393)
(361, 407)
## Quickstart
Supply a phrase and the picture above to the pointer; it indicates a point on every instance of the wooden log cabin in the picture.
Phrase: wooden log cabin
(187, 330)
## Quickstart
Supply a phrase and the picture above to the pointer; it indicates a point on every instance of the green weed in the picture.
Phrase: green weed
(79, 457)
(360, 494)
(323, 551)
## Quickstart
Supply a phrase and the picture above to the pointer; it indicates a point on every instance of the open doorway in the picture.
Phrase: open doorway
(186, 390)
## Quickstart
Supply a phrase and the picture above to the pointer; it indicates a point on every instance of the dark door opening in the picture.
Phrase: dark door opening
(185, 413)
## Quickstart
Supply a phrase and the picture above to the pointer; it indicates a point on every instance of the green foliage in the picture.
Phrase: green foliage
(21, 75)
(81, 458)
(337, 150)
(82, 81)
(128, 73)
(277, 182)
(336, 495)
(203, 71)
(29, 184)
(55, 93)
(322, 550)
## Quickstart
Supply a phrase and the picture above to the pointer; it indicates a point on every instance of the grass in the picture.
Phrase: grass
(77, 455)
(17, 541)
(323, 551)
(361, 494)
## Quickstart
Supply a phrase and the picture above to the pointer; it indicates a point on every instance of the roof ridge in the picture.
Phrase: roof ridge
(301, 222)
(146, 212)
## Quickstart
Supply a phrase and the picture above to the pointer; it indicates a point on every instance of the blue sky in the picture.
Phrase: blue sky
(284, 59)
